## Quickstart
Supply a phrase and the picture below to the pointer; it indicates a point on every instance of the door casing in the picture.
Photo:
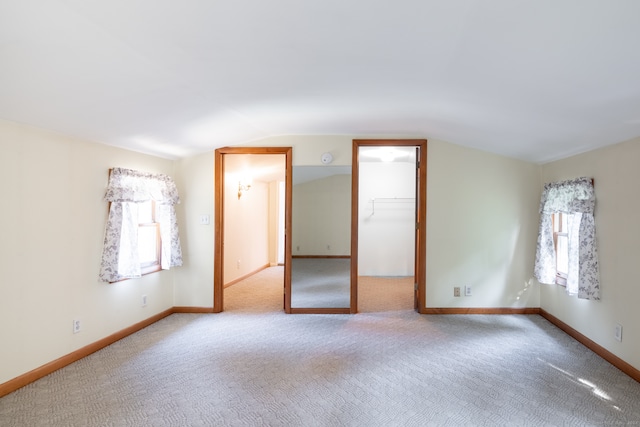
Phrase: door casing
(421, 207)
(218, 264)
(421, 216)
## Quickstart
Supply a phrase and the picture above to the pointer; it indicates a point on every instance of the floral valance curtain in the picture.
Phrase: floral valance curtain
(127, 188)
(576, 198)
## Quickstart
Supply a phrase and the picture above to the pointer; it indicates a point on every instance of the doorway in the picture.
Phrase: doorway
(232, 184)
(406, 204)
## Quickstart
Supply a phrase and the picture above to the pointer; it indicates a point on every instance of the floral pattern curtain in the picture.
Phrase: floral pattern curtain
(126, 189)
(577, 198)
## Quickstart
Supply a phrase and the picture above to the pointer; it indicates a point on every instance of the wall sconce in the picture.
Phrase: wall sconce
(243, 188)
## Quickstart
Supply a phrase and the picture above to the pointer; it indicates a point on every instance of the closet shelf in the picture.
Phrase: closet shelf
(375, 200)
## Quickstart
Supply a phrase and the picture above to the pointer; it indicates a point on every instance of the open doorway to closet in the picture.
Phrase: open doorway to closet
(389, 220)
(252, 218)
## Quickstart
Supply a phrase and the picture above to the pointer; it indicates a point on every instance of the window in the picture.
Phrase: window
(566, 252)
(561, 245)
(142, 231)
(149, 240)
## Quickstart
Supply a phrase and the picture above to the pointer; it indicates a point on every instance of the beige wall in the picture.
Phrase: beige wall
(276, 229)
(194, 280)
(195, 180)
(246, 230)
(482, 221)
(616, 174)
(52, 226)
(321, 220)
(307, 149)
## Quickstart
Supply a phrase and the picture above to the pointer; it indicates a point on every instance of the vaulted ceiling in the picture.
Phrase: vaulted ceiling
(535, 80)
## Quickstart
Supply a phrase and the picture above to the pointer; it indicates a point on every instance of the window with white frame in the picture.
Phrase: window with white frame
(149, 239)
(566, 253)
(561, 245)
(142, 232)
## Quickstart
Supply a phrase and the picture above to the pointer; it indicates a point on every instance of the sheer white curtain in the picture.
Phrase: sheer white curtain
(577, 199)
(127, 188)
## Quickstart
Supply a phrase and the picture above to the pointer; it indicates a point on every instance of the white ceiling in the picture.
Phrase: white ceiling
(535, 80)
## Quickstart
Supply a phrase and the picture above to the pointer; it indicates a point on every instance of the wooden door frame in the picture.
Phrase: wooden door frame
(421, 247)
(218, 263)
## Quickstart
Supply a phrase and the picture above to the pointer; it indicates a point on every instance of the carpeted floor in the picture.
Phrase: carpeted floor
(253, 365)
(320, 282)
(263, 292)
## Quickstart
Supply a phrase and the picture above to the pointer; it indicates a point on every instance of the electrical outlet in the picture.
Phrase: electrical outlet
(77, 326)
(467, 291)
(618, 333)
(204, 219)
(238, 264)
(144, 300)
(456, 291)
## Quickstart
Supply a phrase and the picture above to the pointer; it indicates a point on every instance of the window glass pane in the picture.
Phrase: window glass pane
(555, 219)
(562, 257)
(563, 220)
(148, 245)
(145, 212)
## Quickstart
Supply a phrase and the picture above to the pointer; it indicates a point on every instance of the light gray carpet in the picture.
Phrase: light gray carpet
(255, 366)
(320, 282)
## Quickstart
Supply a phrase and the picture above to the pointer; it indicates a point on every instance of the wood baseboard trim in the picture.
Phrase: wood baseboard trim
(470, 310)
(197, 310)
(240, 279)
(593, 346)
(46, 369)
